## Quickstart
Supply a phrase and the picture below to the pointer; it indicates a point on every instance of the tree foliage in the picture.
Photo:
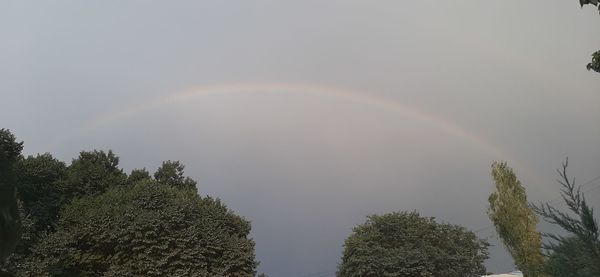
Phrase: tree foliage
(93, 172)
(580, 251)
(406, 244)
(40, 199)
(29, 237)
(149, 229)
(10, 225)
(595, 64)
(39, 188)
(138, 175)
(515, 220)
(171, 173)
(566, 259)
(91, 219)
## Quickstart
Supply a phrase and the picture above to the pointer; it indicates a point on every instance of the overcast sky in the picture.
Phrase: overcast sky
(378, 106)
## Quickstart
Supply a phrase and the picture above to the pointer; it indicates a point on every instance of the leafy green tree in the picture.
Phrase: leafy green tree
(148, 229)
(580, 251)
(404, 244)
(10, 224)
(595, 64)
(29, 237)
(566, 259)
(171, 173)
(138, 175)
(515, 220)
(39, 188)
(93, 172)
(40, 199)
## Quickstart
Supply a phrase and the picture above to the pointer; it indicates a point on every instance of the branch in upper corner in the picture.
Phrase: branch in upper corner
(595, 64)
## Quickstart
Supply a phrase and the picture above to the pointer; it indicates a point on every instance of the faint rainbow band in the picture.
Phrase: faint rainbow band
(446, 126)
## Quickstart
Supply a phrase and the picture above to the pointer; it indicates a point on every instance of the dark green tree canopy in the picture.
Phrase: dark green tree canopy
(39, 188)
(404, 244)
(171, 173)
(582, 245)
(595, 64)
(567, 259)
(91, 219)
(92, 173)
(149, 229)
(10, 150)
(138, 175)
(40, 193)
(10, 224)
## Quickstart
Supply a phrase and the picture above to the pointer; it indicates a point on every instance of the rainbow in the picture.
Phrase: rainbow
(444, 125)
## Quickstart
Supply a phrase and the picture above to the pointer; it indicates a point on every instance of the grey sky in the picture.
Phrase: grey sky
(305, 168)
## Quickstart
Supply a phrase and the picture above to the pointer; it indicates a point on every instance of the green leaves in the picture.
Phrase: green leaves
(92, 173)
(171, 173)
(40, 190)
(515, 220)
(149, 229)
(406, 244)
(91, 219)
(595, 64)
(10, 226)
(579, 253)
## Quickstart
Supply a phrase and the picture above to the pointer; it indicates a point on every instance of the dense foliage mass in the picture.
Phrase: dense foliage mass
(10, 226)
(91, 219)
(515, 220)
(404, 244)
(577, 254)
(150, 229)
(595, 64)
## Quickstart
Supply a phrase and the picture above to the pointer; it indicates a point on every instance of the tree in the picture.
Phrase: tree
(148, 229)
(138, 175)
(40, 198)
(93, 172)
(171, 173)
(566, 259)
(10, 224)
(38, 185)
(515, 221)
(595, 64)
(589, 2)
(580, 251)
(29, 237)
(404, 244)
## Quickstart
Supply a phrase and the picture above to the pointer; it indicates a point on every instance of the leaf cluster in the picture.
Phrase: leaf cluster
(150, 229)
(515, 221)
(10, 226)
(406, 244)
(91, 219)
(567, 254)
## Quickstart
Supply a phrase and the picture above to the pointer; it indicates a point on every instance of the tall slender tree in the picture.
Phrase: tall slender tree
(515, 220)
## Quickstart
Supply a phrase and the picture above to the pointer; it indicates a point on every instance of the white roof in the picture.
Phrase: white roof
(512, 274)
